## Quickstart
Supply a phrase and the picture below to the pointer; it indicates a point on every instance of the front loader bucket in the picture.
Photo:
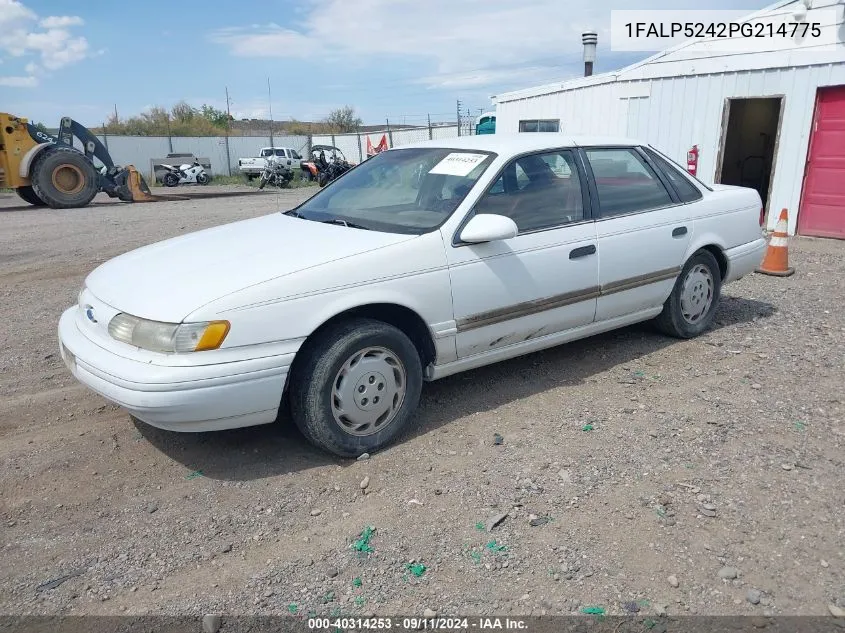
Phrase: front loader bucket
(127, 184)
(138, 191)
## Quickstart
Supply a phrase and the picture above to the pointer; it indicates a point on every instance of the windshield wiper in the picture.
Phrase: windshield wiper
(351, 225)
(294, 214)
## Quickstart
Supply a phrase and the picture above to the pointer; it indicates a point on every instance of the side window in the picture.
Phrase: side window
(625, 182)
(539, 125)
(266, 152)
(537, 192)
(687, 191)
(296, 154)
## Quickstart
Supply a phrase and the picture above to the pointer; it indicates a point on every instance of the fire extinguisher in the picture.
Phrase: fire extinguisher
(692, 160)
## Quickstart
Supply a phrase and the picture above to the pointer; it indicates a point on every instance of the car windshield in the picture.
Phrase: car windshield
(409, 191)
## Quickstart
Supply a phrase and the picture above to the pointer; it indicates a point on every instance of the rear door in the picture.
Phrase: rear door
(643, 230)
(822, 210)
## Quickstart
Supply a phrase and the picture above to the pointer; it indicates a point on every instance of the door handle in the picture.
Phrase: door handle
(679, 231)
(582, 251)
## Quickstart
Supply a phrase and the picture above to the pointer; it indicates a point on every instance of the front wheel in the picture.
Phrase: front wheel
(355, 388)
(262, 182)
(322, 179)
(691, 307)
(64, 178)
(202, 178)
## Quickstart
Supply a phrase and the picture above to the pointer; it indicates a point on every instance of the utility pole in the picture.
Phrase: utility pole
(458, 110)
(228, 123)
(270, 102)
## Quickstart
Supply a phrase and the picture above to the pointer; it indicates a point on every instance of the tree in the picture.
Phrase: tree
(40, 127)
(180, 120)
(183, 112)
(342, 120)
(215, 116)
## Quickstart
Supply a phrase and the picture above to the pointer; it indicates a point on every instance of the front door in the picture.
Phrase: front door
(544, 280)
(822, 211)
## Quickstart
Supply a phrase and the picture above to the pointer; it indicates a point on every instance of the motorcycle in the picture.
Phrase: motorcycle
(276, 174)
(185, 174)
(330, 170)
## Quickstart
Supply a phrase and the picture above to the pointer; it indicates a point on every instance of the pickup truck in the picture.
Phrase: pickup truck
(252, 167)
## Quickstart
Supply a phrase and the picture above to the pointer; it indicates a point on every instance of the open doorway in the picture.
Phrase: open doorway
(750, 130)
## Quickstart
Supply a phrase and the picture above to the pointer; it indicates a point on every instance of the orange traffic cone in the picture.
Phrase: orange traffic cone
(776, 260)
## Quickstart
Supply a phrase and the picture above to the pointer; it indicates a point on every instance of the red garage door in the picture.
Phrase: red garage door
(822, 210)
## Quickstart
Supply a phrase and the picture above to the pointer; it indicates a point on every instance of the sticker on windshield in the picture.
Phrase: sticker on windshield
(458, 164)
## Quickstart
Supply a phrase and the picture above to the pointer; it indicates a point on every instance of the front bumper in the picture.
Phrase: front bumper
(743, 259)
(185, 398)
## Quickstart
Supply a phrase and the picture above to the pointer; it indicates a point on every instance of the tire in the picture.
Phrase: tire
(305, 175)
(27, 194)
(64, 178)
(262, 182)
(202, 178)
(327, 417)
(170, 179)
(250, 177)
(691, 307)
(322, 179)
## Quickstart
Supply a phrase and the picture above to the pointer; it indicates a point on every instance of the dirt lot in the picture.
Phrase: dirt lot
(627, 443)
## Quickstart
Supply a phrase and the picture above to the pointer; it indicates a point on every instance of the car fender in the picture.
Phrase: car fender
(261, 320)
(700, 240)
(29, 158)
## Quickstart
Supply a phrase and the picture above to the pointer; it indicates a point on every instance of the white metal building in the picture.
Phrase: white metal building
(773, 120)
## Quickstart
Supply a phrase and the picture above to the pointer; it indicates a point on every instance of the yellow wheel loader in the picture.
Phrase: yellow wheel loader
(50, 171)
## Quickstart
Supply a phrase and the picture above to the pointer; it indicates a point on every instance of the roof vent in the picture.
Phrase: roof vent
(589, 39)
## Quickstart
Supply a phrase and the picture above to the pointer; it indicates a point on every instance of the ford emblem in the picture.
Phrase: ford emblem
(89, 312)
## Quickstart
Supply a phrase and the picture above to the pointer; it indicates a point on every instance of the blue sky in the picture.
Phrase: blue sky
(399, 59)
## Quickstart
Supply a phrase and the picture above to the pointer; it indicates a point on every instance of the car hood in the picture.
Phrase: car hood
(168, 280)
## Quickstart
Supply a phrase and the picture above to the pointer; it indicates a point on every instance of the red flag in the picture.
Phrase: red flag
(382, 145)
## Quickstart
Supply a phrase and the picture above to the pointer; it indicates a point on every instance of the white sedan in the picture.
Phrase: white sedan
(422, 262)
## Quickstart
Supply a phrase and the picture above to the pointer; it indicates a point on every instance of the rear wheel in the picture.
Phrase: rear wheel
(64, 179)
(356, 387)
(27, 194)
(170, 179)
(691, 307)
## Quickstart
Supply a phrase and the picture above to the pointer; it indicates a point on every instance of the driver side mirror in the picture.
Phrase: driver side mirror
(488, 227)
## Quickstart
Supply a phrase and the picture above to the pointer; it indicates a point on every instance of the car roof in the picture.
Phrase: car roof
(518, 143)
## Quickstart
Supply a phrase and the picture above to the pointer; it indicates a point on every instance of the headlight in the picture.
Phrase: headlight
(155, 336)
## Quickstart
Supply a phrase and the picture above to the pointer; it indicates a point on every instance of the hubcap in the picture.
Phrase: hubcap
(368, 391)
(697, 294)
(68, 178)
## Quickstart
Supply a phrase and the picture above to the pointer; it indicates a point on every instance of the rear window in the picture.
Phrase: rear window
(686, 190)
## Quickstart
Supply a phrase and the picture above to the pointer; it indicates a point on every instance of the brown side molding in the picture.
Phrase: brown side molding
(527, 308)
(499, 315)
(640, 280)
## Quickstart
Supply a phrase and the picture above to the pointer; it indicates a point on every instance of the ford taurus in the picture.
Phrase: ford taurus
(424, 261)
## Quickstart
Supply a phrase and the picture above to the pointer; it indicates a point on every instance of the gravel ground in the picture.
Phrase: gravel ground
(628, 471)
